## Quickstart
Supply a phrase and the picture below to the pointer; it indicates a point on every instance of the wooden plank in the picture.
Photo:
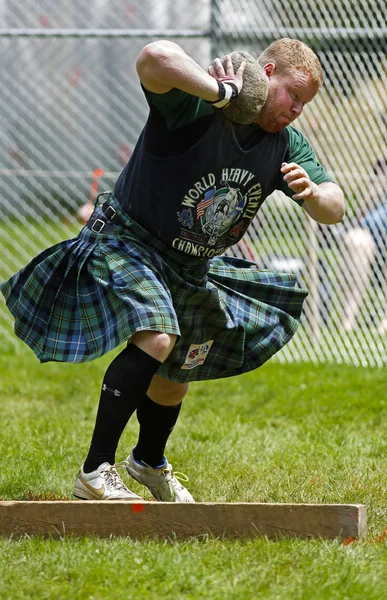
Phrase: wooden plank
(180, 520)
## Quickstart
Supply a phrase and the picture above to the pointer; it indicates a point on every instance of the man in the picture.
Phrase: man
(147, 268)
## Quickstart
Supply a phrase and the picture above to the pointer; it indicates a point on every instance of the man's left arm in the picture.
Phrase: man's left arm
(324, 202)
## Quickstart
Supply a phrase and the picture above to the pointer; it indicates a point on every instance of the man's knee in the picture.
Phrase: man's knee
(159, 345)
(165, 392)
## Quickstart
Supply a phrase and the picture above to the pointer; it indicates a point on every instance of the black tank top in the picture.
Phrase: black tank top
(202, 201)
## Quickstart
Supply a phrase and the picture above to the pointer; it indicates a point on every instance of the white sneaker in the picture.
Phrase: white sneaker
(102, 484)
(161, 482)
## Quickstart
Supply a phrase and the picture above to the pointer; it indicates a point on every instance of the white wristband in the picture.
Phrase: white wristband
(227, 98)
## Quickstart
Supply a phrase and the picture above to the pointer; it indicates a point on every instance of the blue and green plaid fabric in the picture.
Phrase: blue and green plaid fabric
(85, 296)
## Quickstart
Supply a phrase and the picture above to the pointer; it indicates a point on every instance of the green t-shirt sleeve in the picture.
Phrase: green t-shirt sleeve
(300, 152)
(178, 108)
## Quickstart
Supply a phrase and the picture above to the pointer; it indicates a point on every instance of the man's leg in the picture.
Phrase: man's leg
(358, 254)
(125, 384)
(157, 415)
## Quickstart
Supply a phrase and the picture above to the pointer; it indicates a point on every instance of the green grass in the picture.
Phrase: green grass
(209, 569)
(21, 240)
(285, 433)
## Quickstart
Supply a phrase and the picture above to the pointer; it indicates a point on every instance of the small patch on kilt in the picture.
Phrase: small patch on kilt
(197, 354)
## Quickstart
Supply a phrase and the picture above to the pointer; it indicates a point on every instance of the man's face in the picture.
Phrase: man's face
(287, 95)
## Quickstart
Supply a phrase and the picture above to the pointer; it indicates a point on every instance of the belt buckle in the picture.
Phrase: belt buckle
(101, 224)
(110, 213)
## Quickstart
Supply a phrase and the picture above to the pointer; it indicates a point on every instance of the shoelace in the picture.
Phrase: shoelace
(113, 478)
(178, 475)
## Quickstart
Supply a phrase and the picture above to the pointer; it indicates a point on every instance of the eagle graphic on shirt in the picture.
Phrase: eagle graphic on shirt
(225, 208)
(215, 212)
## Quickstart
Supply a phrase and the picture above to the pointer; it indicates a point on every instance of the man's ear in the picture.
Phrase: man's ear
(269, 69)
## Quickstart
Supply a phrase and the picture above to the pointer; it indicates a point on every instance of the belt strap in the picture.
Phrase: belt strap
(98, 224)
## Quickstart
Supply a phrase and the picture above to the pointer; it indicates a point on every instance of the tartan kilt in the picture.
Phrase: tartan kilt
(85, 296)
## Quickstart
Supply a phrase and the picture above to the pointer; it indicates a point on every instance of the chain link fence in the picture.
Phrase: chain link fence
(72, 109)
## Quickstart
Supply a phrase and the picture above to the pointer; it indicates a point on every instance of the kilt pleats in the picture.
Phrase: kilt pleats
(85, 296)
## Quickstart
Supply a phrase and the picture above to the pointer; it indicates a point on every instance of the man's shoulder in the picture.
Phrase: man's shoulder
(298, 143)
(295, 136)
(177, 103)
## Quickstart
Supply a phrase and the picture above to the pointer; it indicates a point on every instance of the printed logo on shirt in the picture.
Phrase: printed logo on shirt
(197, 354)
(216, 212)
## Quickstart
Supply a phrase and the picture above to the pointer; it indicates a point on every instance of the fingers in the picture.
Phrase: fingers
(292, 172)
(302, 186)
(228, 68)
(298, 180)
(306, 194)
(225, 71)
(288, 167)
(241, 69)
(219, 70)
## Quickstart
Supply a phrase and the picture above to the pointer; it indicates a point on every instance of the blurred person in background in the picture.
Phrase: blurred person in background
(149, 266)
(363, 251)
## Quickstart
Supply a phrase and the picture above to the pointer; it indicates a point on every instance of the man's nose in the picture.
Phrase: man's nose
(297, 107)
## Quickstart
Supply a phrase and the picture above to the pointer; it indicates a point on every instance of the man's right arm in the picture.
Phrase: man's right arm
(164, 65)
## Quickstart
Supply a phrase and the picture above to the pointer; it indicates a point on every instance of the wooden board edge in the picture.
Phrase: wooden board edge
(140, 520)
